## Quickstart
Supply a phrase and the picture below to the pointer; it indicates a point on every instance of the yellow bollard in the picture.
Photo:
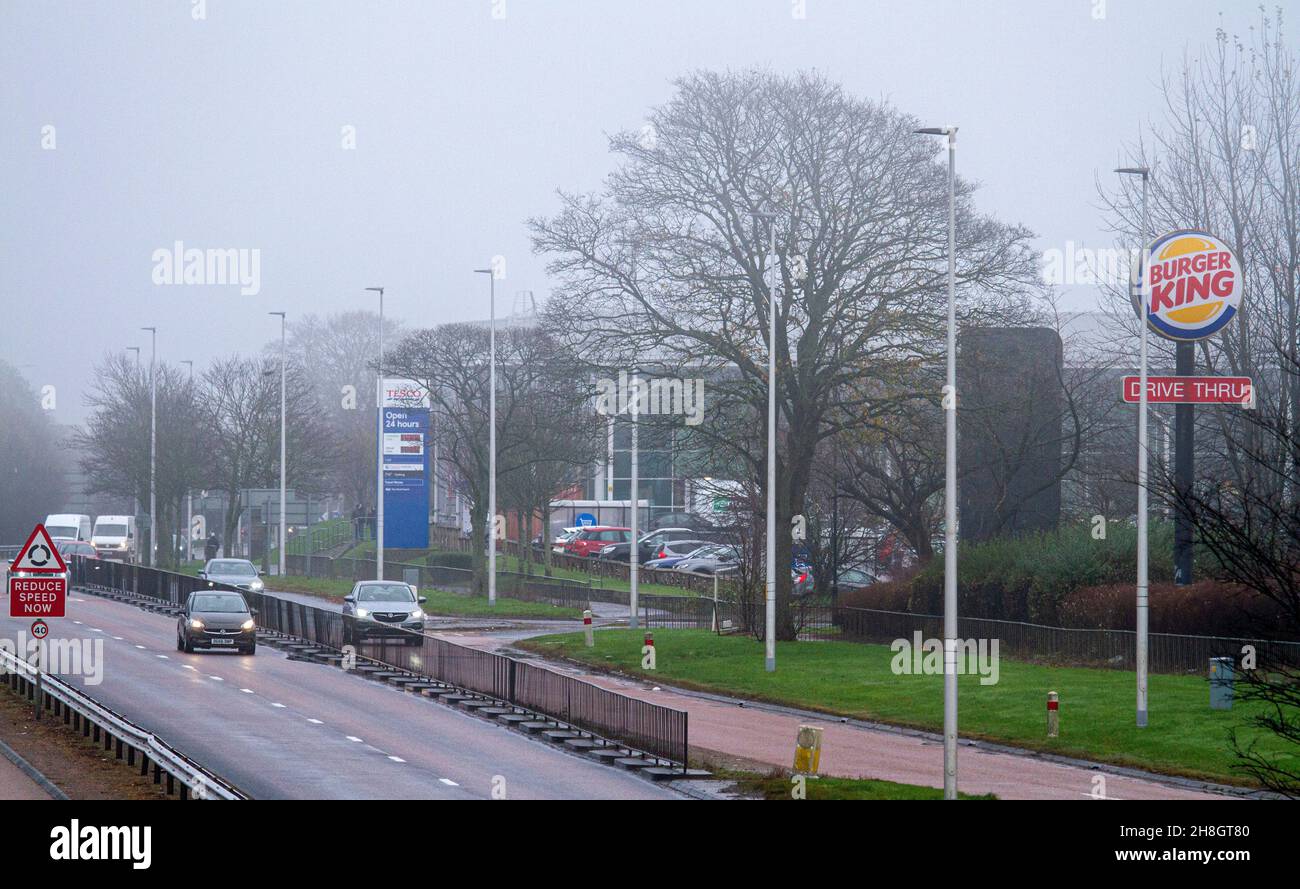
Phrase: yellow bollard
(808, 750)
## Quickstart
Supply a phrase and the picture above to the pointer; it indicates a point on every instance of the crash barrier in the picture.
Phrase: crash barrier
(654, 729)
(1167, 652)
(117, 733)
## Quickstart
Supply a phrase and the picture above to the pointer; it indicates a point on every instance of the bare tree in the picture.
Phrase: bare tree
(860, 220)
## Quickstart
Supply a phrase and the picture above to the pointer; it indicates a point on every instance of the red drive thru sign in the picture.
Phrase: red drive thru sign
(38, 578)
(1192, 390)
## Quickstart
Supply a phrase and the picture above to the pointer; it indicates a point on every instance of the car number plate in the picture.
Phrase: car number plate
(223, 641)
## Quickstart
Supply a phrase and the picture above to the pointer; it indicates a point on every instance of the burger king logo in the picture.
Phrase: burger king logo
(1195, 286)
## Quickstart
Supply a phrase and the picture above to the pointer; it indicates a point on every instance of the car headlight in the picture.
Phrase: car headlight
(247, 625)
(257, 586)
(417, 614)
(196, 624)
(363, 612)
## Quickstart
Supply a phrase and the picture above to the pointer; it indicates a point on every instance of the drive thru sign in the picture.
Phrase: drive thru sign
(38, 578)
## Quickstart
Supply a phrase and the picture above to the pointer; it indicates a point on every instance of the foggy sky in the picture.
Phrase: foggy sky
(226, 132)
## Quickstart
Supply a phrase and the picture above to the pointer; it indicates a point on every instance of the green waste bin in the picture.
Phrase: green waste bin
(1221, 677)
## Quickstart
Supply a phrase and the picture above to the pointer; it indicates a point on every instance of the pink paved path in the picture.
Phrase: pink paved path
(852, 751)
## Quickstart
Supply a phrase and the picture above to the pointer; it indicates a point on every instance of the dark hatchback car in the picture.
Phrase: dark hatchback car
(216, 619)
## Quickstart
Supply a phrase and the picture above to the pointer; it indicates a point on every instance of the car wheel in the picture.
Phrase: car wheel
(180, 645)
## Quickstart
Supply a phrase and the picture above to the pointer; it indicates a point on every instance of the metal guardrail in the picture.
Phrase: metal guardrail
(84, 713)
(652, 728)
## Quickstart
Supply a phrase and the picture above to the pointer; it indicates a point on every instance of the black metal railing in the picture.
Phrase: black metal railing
(1167, 652)
(652, 728)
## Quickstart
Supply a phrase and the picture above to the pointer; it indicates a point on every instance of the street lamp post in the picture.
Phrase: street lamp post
(153, 445)
(189, 497)
(135, 500)
(1143, 459)
(769, 645)
(283, 466)
(492, 433)
(379, 443)
(950, 485)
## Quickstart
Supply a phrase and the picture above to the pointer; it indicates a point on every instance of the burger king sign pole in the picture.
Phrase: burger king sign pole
(1187, 287)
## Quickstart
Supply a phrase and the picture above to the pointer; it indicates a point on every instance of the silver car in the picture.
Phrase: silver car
(239, 573)
(382, 608)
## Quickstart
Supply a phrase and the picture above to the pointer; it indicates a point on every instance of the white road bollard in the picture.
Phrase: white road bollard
(1053, 714)
(586, 627)
(808, 750)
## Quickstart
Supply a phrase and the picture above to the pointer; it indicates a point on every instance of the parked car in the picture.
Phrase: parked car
(670, 553)
(714, 559)
(854, 579)
(565, 535)
(382, 608)
(588, 541)
(216, 619)
(234, 572)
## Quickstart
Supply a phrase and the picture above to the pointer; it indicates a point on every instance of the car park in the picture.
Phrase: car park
(379, 608)
(239, 573)
(714, 559)
(672, 552)
(216, 619)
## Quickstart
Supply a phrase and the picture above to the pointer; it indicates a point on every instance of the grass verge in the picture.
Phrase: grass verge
(781, 785)
(1185, 737)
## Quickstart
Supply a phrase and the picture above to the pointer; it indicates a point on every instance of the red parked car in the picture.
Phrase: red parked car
(587, 542)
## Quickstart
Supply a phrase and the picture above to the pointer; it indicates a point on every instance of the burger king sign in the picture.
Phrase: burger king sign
(1195, 286)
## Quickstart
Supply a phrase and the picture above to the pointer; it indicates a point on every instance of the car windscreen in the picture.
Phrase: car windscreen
(224, 603)
(388, 592)
(110, 530)
(232, 568)
(61, 531)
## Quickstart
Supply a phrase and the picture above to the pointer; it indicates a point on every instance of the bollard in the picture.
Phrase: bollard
(807, 749)
(649, 639)
(1053, 714)
(586, 627)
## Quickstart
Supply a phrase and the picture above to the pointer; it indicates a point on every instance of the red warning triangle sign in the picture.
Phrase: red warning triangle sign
(39, 555)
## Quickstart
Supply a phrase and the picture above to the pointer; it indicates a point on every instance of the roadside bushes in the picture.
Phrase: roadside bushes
(450, 560)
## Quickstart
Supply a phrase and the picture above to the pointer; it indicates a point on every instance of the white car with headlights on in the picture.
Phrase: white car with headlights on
(377, 608)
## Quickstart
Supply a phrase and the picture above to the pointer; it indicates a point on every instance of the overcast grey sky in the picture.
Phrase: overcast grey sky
(226, 131)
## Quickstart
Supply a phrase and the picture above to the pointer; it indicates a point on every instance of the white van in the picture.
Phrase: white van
(73, 527)
(114, 537)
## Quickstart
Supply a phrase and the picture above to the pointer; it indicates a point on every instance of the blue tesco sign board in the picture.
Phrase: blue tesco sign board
(404, 433)
(586, 520)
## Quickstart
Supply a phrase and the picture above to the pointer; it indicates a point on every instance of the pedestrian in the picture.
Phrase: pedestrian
(370, 520)
(211, 547)
(357, 515)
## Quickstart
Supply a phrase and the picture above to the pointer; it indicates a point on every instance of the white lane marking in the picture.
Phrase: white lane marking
(314, 721)
(141, 647)
(96, 630)
(396, 759)
(276, 704)
(247, 691)
(216, 678)
(162, 657)
(189, 667)
(118, 638)
(449, 782)
(77, 622)
(355, 738)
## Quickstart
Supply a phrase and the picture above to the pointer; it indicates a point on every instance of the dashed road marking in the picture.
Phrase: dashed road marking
(449, 782)
(141, 647)
(162, 657)
(216, 678)
(247, 691)
(355, 738)
(396, 758)
(314, 721)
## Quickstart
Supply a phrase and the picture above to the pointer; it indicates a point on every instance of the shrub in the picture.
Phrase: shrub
(450, 560)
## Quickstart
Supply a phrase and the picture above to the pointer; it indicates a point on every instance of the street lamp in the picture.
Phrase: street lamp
(379, 444)
(135, 501)
(769, 662)
(283, 467)
(492, 433)
(950, 485)
(189, 497)
(153, 446)
(1142, 560)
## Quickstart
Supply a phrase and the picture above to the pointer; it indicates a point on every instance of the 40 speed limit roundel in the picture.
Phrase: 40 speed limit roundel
(1195, 287)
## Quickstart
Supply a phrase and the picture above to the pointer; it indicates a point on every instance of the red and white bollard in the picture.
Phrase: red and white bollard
(1053, 714)
(586, 627)
(648, 661)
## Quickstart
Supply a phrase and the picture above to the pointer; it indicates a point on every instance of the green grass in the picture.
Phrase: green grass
(780, 785)
(1185, 737)
(439, 602)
